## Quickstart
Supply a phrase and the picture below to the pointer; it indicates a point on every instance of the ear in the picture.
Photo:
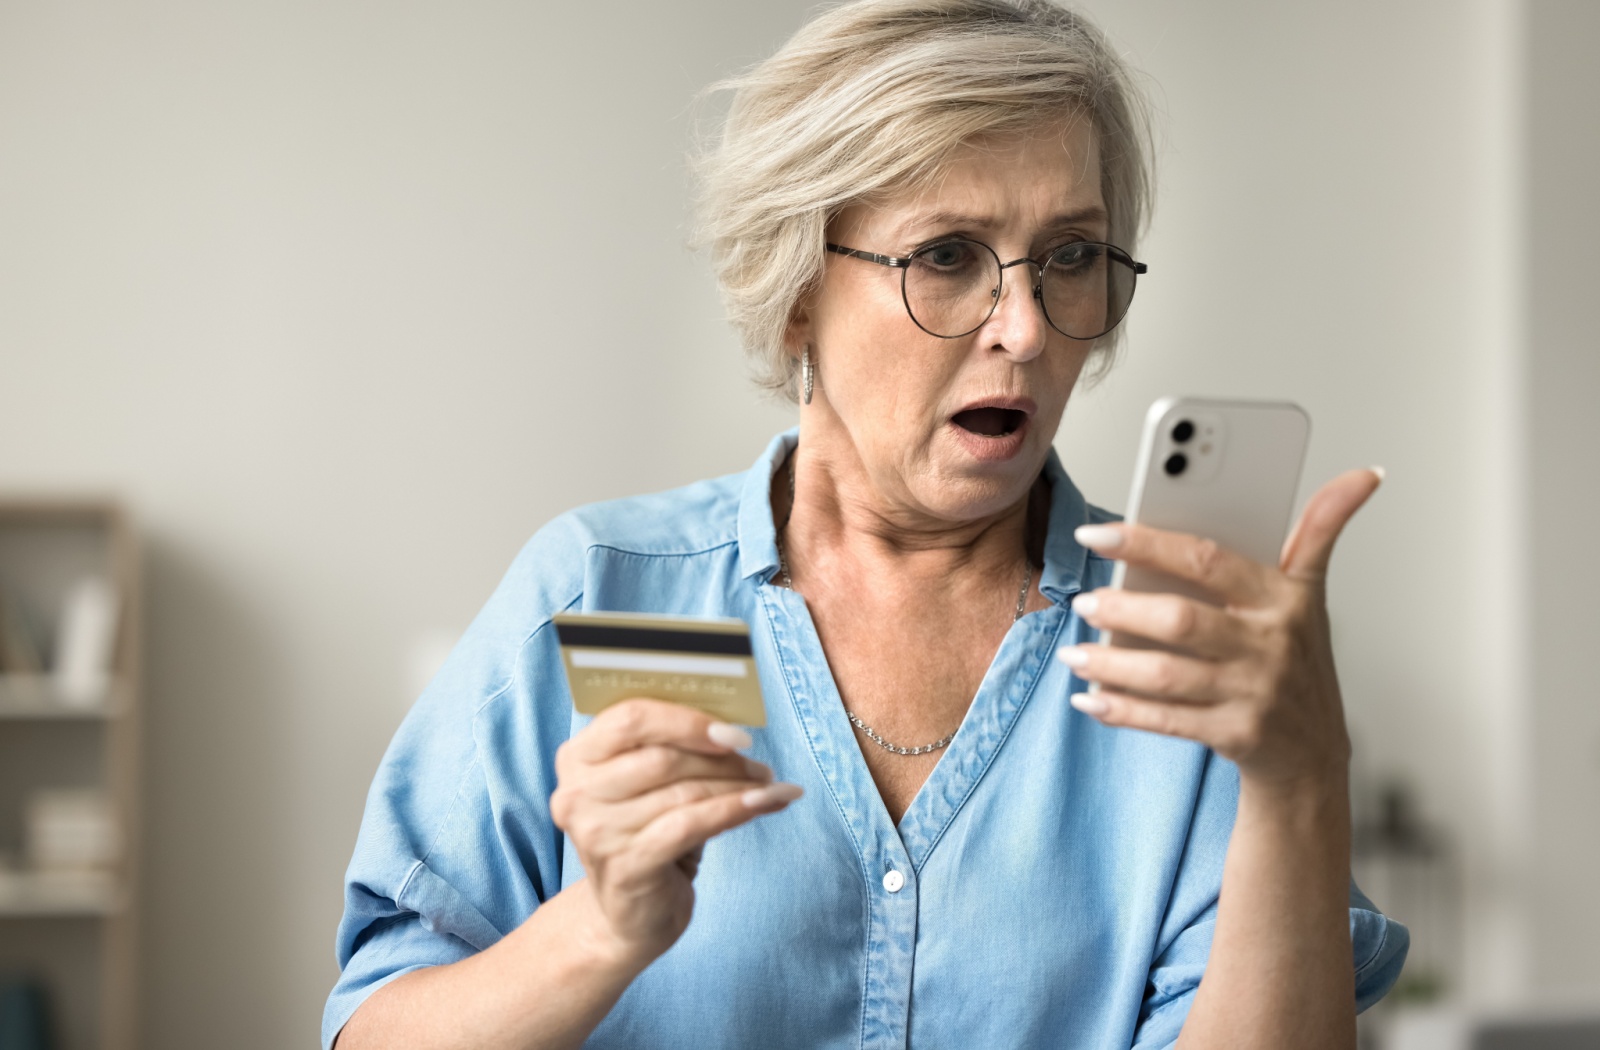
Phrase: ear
(798, 332)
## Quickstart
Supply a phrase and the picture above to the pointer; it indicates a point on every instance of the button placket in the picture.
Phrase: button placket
(891, 957)
(891, 932)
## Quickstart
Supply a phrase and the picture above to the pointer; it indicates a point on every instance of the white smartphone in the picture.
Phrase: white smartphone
(1225, 470)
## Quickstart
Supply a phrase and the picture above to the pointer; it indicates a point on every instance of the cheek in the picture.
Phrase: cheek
(1054, 384)
(891, 381)
(855, 315)
(878, 361)
(1067, 364)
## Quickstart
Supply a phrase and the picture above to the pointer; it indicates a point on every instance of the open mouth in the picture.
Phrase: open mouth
(990, 422)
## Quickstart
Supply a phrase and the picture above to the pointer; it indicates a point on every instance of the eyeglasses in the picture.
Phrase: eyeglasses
(951, 287)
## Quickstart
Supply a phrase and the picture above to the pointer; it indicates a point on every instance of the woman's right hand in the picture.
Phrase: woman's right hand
(639, 791)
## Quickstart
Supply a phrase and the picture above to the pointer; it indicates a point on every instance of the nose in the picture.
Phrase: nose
(1018, 326)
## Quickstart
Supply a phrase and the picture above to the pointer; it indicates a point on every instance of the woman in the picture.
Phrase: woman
(923, 214)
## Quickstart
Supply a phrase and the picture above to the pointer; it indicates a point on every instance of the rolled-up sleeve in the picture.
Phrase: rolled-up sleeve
(1380, 946)
(1378, 943)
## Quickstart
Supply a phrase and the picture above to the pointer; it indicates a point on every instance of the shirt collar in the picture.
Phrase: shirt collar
(758, 536)
(1064, 559)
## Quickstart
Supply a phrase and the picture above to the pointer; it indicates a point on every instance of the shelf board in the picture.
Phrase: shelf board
(36, 895)
(33, 696)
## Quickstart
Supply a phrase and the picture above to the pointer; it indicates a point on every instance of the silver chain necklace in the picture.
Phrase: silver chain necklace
(788, 581)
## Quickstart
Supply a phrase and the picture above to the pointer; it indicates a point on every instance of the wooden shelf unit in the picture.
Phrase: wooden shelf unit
(75, 933)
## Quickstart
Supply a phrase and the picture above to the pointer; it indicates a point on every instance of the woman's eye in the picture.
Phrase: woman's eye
(952, 256)
(1076, 257)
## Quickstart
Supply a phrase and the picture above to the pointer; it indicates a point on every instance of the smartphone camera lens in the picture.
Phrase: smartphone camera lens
(1176, 464)
(1182, 432)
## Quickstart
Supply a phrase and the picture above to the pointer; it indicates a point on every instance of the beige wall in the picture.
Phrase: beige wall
(333, 294)
(1563, 380)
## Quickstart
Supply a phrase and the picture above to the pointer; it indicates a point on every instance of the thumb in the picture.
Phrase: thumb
(1330, 508)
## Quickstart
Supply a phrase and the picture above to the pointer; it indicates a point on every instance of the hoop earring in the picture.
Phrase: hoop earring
(808, 372)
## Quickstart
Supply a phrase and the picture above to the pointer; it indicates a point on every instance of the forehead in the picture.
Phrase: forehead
(1020, 181)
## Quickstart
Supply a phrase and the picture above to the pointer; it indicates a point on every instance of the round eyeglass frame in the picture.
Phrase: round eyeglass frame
(903, 264)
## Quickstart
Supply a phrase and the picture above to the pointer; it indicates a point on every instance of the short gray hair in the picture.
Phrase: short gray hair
(870, 98)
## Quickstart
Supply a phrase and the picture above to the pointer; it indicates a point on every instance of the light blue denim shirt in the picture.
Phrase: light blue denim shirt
(1058, 878)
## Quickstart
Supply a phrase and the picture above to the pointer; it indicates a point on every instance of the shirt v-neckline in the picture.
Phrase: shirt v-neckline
(1005, 689)
(1006, 686)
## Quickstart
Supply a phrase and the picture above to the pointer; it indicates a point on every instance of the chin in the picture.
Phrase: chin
(982, 476)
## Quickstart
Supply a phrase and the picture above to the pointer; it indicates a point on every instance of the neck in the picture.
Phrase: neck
(841, 525)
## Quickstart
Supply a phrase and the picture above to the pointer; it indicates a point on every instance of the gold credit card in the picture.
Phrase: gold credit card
(701, 662)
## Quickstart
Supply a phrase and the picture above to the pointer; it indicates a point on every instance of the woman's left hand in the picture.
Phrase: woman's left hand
(1253, 678)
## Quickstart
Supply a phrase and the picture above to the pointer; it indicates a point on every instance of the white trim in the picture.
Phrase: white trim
(660, 663)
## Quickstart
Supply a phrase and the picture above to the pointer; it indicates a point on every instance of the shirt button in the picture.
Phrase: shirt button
(893, 880)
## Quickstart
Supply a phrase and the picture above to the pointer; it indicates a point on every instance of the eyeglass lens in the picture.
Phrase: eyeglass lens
(951, 288)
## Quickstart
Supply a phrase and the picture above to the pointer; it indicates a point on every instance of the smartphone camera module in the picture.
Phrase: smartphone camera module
(1188, 442)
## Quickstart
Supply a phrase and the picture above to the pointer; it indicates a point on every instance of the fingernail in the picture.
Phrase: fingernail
(757, 770)
(1089, 703)
(1072, 655)
(1098, 537)
(1380, 472)
(728, 735)
(770, 795)
(1086, 604)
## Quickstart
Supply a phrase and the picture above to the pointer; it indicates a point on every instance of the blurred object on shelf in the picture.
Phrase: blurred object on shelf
(23, 1024)
(1409, 870)
(36, 696)
(86, 641)
(59, 893)
(72, 830)
(19, 645)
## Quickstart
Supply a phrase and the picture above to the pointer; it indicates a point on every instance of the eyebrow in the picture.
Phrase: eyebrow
(968, 220)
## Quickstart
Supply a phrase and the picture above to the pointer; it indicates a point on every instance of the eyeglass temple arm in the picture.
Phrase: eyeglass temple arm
(1138, 267)
(881, 260)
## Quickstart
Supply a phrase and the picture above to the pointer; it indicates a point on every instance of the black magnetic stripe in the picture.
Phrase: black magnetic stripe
(594, 636)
